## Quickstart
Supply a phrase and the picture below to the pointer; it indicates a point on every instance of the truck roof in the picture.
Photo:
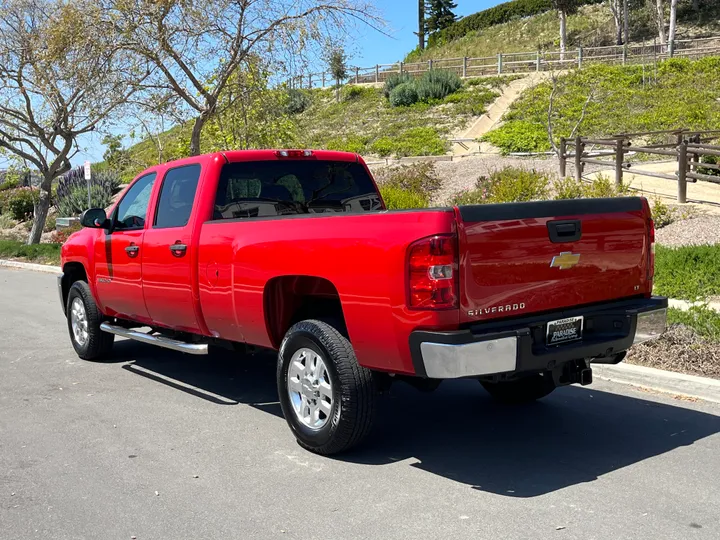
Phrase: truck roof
(257, 155)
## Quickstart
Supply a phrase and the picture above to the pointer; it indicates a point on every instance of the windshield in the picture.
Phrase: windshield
(275, 188)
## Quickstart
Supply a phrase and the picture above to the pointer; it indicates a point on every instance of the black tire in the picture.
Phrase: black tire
(98, 344)
(353, 389)
(523, 390)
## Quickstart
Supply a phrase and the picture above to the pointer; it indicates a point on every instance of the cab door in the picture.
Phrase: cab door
(169, 261)
(118, 254)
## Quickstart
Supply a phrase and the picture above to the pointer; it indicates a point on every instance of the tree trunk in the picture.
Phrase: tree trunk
(42, 206)
(626, 22)
(660, 20)
(196, 132)
(421, 24)
(337, 90)
(616, 10)
(673, 21)
(563, 33)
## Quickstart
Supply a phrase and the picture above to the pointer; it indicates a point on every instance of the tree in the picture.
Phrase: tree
(659, 16)
(626, 22)
(198, 46)
(617, 11)
(439, 15)
(337, 62)
(673, 22)
(564, 8)
(58, 80)
(250, 114)
(421, 25)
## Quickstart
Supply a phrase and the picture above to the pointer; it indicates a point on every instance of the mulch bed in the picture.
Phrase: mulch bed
(679, 349)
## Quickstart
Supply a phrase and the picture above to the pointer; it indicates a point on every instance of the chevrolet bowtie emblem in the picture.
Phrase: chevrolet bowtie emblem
(566, 259)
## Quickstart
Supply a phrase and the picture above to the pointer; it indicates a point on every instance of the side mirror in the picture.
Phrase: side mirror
(95, 218)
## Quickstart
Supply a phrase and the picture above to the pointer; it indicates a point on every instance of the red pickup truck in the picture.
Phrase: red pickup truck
(293, 250)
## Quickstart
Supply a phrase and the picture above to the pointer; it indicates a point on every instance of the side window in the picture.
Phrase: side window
(176, 196)
(133, 207)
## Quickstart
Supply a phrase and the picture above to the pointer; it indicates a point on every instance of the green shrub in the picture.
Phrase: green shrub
(382, 146)
(9, 184)
(703, 319)
(601, 187)
(393, 80)
(662, 214)
(569, 188)
(297, 101)
(436, 84)
(418, 177)
(351, 143)
(76, 201)
(688, 272)
(397, 198)
(403, 95)
(712, 160)
(507, 185)
(351, 92)
(50, 223)
(6, 222)
(519, 136)
(19, 203)
(420, 141)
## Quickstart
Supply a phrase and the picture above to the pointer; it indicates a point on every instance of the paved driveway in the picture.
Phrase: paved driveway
(158, 445)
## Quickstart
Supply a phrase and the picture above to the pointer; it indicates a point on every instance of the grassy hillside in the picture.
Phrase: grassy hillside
(362, 121)
(591, 26)
(625, 99)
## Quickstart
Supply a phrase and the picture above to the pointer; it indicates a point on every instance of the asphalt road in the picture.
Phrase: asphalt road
(158, 445)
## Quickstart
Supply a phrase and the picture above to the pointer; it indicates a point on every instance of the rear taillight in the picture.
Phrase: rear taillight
(432, 273)
(651, 250)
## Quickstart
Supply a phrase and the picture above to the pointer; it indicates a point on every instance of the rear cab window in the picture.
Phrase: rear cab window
(289, 187)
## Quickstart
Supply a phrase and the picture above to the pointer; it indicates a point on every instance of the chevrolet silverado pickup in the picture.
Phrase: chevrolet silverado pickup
(294, 251)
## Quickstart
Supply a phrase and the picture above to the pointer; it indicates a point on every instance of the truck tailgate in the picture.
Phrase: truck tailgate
(522, 258)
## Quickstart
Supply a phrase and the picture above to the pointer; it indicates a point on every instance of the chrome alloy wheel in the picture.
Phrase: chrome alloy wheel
(79, 322)
(309, 388)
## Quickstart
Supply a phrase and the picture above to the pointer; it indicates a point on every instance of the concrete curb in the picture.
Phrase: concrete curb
(31, 266)
(659, 380)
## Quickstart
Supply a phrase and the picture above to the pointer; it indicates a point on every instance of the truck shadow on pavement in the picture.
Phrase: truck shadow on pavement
(223, 378)
(573, 436)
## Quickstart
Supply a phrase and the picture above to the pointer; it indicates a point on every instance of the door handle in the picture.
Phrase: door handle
(132, 250)
(178, 250)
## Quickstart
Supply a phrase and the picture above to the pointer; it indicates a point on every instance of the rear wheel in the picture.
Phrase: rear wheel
(84, 318)
(523, 390)
(327, 398)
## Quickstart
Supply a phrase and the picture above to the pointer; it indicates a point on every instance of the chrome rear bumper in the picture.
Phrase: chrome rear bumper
(518, 345)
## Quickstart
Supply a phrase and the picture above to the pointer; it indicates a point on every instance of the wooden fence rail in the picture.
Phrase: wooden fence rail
(522, 62)
(687, 149)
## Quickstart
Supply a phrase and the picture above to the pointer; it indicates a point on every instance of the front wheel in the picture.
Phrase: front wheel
(523, 390)
(327, 398)
(84, 318)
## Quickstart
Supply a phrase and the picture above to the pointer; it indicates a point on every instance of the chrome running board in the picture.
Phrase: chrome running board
(160, 341)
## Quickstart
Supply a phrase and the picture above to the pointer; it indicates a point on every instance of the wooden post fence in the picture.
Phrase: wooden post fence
(682, 172)
(563, 157)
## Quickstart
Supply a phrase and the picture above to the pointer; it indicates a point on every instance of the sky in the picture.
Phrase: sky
(371, 48)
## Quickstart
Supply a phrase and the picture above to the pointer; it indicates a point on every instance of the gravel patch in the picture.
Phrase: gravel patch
(679, 349)
(690, 232)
